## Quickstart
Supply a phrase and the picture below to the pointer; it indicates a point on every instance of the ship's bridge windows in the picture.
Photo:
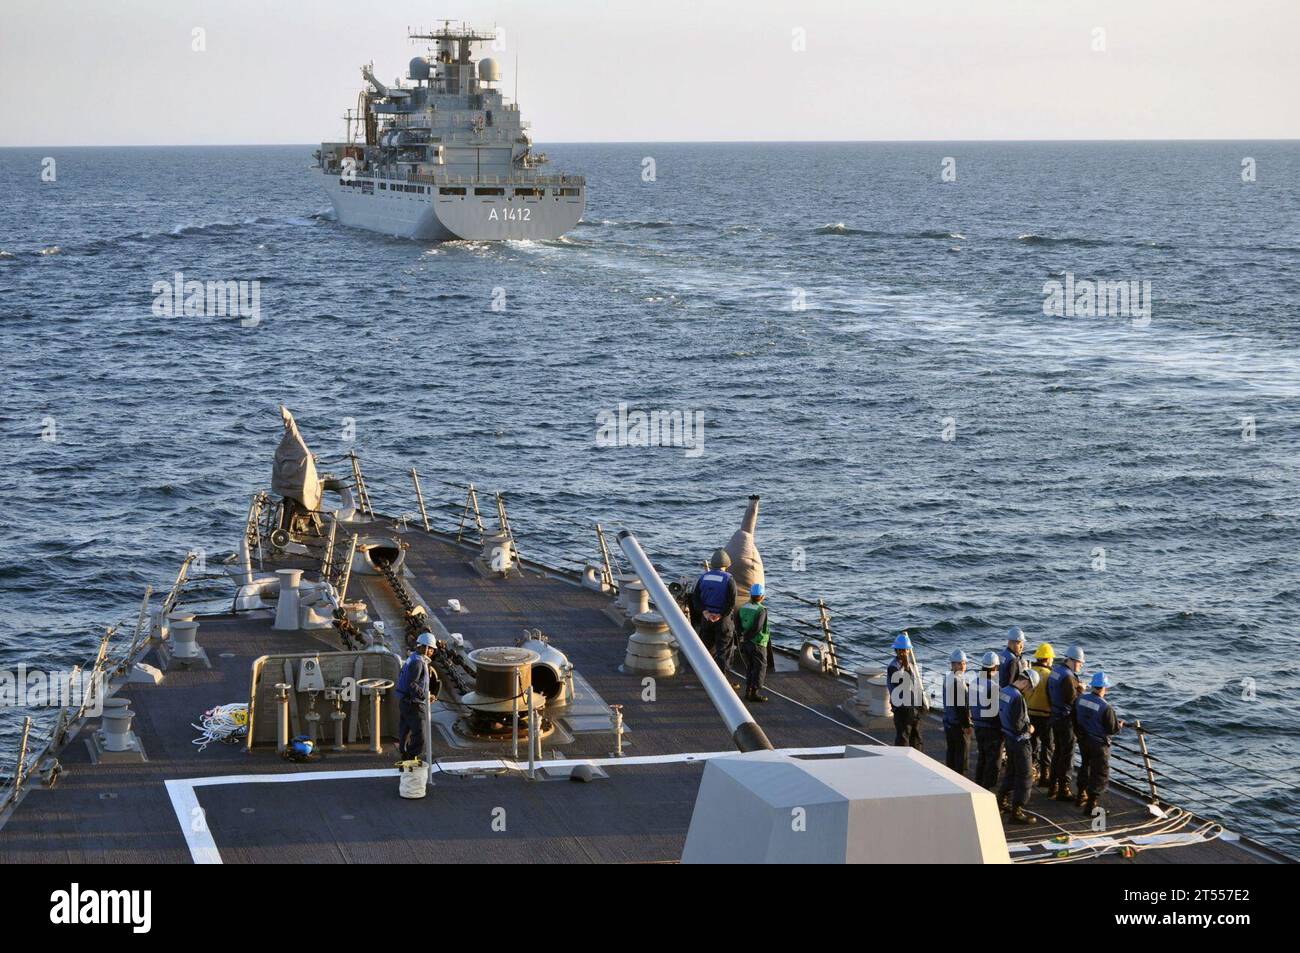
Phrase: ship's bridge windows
(489, 190)
(530, 191)
(450, 190)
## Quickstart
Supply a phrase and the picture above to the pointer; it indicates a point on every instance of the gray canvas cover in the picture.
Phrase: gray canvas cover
(294, 474)
(746, 563)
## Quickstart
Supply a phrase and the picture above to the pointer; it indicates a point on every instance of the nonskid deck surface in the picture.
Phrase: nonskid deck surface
(221, 806)
(640, 815)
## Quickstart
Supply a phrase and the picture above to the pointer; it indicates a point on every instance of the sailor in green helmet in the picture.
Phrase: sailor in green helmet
(754, 637)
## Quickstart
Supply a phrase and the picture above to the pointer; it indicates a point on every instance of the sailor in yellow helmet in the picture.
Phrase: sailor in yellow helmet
(1040, 713)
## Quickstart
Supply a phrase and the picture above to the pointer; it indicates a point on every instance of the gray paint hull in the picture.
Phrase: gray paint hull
(436, 217)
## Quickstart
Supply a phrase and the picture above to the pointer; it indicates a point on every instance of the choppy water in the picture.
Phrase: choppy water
(924, 308)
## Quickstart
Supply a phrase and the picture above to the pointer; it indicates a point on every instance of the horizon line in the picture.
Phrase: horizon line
(682, 142)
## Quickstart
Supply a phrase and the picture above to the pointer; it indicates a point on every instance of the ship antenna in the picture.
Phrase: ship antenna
(516, 79)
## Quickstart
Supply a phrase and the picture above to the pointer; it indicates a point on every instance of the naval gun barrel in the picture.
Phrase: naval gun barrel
(746, 735)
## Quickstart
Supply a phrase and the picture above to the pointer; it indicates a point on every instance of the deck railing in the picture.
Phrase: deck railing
(446, 178)
(119, 647)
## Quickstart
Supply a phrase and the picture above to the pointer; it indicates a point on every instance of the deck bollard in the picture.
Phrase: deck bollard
(185, 639)
(286, 608)
(636, 599)
(116, 724)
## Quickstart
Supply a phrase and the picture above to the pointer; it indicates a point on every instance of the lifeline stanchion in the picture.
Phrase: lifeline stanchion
(345, 574)
(419, 497)
(141, 627)
(282, 716)
(825, 616)
(363, 496)
(471, 506)
(532, 730)
(608, 571)
(327, 560)
(22, 760)
(535, 731)
(503, 522)
(182, 574)
(514, 726)
(1146, 761)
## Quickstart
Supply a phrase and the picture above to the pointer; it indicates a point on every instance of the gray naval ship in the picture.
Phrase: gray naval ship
(446, 157)
(578, 716)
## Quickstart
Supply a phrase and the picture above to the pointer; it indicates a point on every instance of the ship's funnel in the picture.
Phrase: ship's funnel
(294, 474)
(746, 563)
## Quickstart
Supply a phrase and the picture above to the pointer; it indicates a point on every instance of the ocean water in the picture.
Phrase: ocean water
(866, 344)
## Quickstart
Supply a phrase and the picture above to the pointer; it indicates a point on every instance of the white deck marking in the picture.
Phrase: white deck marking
(193, 822)
(203, 847)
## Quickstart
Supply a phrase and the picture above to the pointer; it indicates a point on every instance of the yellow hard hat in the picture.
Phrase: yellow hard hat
(1045, 651)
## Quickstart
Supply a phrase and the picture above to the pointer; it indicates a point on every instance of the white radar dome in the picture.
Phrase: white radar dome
(419, 68)
(489, 70)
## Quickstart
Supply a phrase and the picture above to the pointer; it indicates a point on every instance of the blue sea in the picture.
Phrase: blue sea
(866, 342)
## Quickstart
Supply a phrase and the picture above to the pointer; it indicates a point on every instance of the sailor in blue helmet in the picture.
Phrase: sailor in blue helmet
(1017, 733)
(988, 724)
(906, 694)
(1012, 661)
(714, 600)
(957, 722)
(754, 638)
(1062, 689)
(413, 698)
(1095, 721)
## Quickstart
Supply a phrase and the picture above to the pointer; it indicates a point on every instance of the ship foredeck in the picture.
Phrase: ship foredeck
(226, 804)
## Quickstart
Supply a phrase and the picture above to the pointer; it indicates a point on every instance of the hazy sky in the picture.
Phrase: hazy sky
(112, 72)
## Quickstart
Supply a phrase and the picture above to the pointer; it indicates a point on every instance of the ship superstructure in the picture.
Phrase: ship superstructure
(445, 156)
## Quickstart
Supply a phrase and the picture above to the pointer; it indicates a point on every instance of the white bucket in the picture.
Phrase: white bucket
(414, 780)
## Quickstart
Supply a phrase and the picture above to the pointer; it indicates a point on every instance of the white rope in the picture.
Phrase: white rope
(222, 723)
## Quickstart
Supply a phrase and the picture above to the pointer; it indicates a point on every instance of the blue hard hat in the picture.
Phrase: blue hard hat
(958, 656)
(1015, 634)
(1101, 680)
(902, 642)
(756, 589)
